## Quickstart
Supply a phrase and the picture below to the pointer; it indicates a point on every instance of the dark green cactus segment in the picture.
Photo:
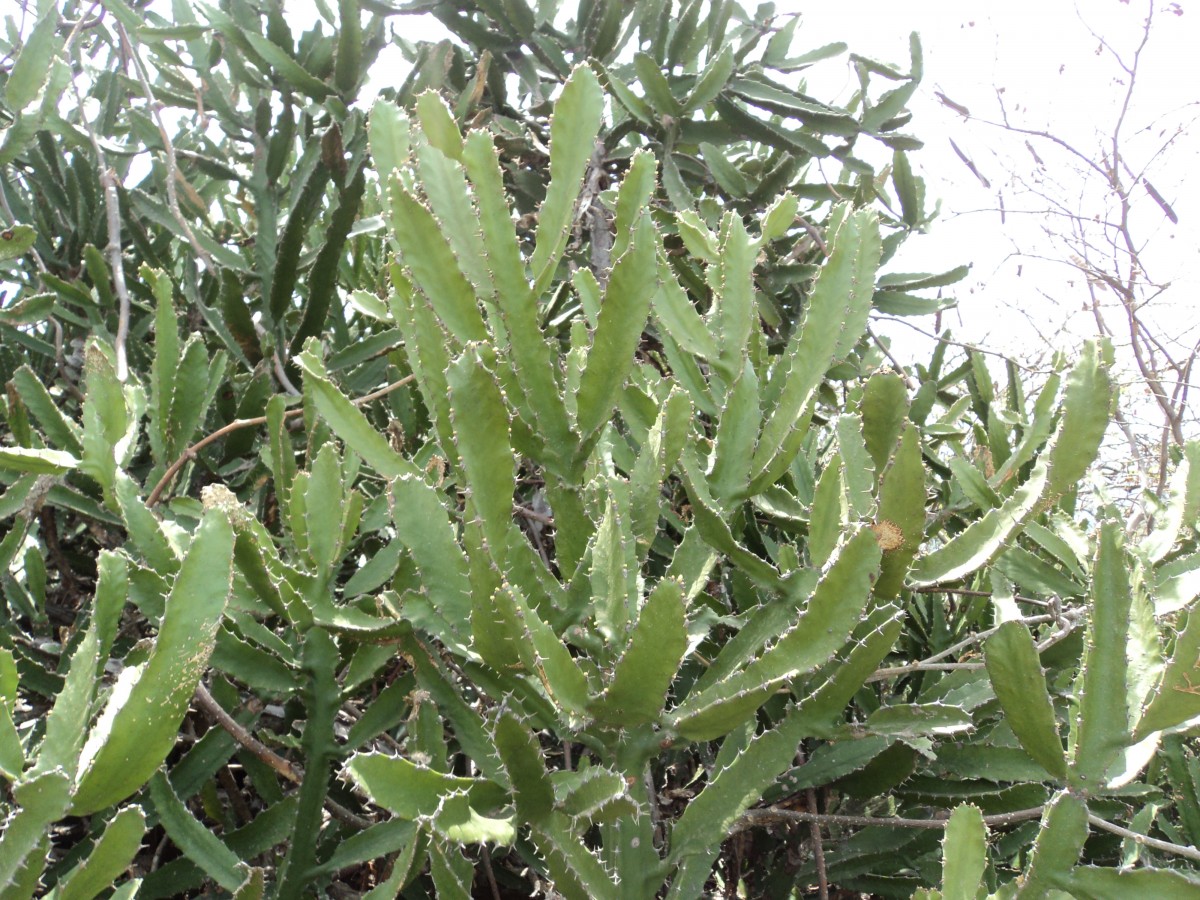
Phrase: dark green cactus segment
(533, 794)
(643, 675)
(1103, 724)
(480, 418)
(1063, 832)
(1016, 675)
(1087, 398)
(836, 318)
(577, 120)
(884, 408)
(623, 314)
(964, 854)
(734, 788)
(436, 273)
(729, 474)
(900, 522)
(833, 610)
(576, 871)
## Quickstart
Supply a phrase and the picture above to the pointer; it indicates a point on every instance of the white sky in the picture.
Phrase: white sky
(1054, 77)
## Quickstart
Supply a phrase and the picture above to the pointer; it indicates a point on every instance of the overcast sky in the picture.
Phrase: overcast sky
(1054, 76)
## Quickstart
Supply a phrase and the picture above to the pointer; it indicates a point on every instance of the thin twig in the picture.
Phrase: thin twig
(237, 425)
(112, 208)
(757, 818)
(168, 147)
(491, 876)
(896, 364)
(278, 764)
(1066, 620)
(1165, 846)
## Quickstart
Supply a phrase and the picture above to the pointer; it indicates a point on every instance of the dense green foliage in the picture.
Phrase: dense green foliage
(498, 487)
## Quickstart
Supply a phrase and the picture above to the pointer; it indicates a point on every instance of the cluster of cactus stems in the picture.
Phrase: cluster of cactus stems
(639, 530)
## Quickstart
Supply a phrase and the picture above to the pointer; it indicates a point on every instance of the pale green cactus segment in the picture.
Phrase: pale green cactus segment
(138, 727)
(450, 201)
(576, 872)
(109, 428)
(623, 314)
(451, 871)
(837, 316)
(643, 675)
(144, 529)
(692, 563)
(765, 624)
(469, 728)
(1175, 698)
(388, 134)
(62, 431)
(845, 675)
(1016, 674)
(830, 513)
(330, 509)
(973, 483)
(1180, 500)
(164, 368)
(737, 432)
(108, 860)
(884, 408)
(424, 528)
(657, 458)
(208, 851)
(713, 528)
(637, 188)
(679, 318)
(519, 751)
(496, 631)
(435, 269)
(911, 720)
(1059, 842)
(593, 794)
(438, 125)
(573, 130)
(901, 513)
(984, 538)
(698, 239)
(542, 404)
(614, 569)
(964, 853)
(1036, 432)
(1102, 729)
(731, 790)
(480, 418)
(279, 455)
(779, 218)
(66, 722)
(347, 421)
(546, 659)
(41, 800)
(733, 313)
(416, 792)
(428, 347)
(831, 613)
(1087, 403)
(858, 469)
